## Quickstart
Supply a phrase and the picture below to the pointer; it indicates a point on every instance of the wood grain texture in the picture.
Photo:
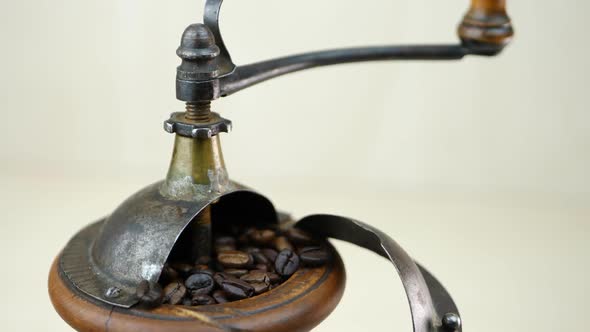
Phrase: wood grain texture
(486, 22)
(298, 305)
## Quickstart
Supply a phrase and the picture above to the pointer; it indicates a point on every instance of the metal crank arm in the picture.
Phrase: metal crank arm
(431, 306)
(485, 30)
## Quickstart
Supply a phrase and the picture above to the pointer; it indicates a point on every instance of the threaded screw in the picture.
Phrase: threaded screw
(199, 111)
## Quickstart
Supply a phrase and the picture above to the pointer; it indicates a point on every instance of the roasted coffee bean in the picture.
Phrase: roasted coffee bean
(314, 256)
(260, 287)
(263, 267)
(287, 263)
(220, 249)
(220, 277)
(225, 243)
(281, 243)
(274, 278)
(208, 271)
(235, 259)
(168, 275)
(149, 294)
(225, 240)
(299, 236)
(256, 276)
(271, 254)
(249, 249)
(255, 268)
(237, 289)
(236, 272)
(220, 296)
(183, 269)
(201, 269)
(199, 283)
(174, 293)
(260, 258)
(263, 236)
(245, 236)
(202, 300)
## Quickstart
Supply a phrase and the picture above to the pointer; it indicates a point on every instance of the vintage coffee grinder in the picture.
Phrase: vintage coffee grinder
(103, 276)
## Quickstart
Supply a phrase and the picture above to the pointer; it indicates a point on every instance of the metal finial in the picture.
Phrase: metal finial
(197, 43)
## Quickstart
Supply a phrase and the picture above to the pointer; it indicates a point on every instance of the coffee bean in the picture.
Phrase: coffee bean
(174, 293)
(314, 256)
(274, 278)
(249, 249)
(225, 240)
(244, 237)
(286, 263)
(220, 296)
(255, 268)
(256, 276)
(263, 267)
(168, 275)
(202, 300)
(299, 236)
(237, 289)
(235, 259)
(149, 294)
(199, 283)
(260, 258)
(281, 243)
(263, 236)
(271, 254)
(236, 272)
(220, 277)
(225, 243)
(222, 248)
(183, 269)
(260, 288)
(201, 269)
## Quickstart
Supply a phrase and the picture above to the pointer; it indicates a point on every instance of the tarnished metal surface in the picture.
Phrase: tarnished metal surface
(178, 124)
(134, 242)
(226, 78)
(197, 169)
(428, 299)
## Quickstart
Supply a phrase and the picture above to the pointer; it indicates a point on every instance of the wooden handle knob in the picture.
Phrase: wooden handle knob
(486, 23)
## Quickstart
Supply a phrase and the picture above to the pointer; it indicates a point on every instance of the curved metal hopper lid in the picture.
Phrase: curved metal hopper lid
(108, 259)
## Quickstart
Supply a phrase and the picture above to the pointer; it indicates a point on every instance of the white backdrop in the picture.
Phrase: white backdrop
(477, 150)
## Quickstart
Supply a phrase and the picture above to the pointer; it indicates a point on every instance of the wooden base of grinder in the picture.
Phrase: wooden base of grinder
(297, 305)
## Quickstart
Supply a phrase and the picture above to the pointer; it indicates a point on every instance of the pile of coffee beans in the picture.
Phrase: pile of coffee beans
(245, 263)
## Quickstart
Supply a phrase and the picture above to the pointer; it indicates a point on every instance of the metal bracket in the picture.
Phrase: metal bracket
(432, 307)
